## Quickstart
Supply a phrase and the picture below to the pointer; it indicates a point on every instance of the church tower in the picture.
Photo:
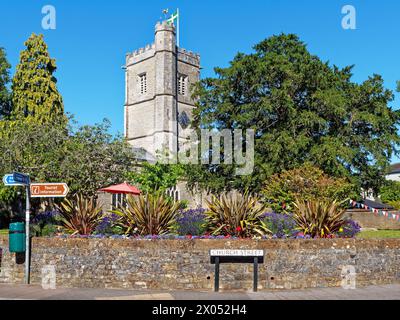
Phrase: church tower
(158, 103)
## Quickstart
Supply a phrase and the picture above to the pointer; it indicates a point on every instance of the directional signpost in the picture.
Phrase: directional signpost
(9, 181)
(49, 190)
(34, 190)
(25, 181)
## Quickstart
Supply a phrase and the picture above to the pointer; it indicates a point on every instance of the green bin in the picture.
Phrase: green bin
(17, 237)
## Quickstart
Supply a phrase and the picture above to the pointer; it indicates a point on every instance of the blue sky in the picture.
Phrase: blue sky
(92, 38)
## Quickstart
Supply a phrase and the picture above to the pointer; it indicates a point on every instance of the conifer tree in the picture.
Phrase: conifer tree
(5, 103)
(35, 96)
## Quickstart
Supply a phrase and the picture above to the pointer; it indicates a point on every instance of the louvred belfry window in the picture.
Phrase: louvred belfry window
(143, 83)
(182, 84)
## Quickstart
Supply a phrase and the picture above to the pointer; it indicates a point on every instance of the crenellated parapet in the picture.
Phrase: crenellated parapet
(140, 54)
(189, 57)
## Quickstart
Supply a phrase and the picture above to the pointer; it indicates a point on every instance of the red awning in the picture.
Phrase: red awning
(123, 188)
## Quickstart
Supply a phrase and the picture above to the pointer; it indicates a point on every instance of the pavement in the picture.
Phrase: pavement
(35, 292)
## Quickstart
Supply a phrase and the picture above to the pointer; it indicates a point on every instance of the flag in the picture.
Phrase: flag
(174, 17)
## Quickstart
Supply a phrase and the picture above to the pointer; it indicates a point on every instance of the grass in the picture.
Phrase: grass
(4, 232)
(380, 234)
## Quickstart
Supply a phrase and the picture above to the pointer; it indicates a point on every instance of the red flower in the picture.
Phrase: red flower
(238, 229)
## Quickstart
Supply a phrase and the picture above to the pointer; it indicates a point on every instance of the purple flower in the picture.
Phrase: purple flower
(191, 222)
(281, 225)
(46, 217)
(350, 229)
(107, 223)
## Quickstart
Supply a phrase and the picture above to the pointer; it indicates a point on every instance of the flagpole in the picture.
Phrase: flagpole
(177, 27)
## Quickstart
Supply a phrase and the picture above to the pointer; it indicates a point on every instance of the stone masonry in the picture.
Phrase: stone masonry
(153, 76)
(185, 264)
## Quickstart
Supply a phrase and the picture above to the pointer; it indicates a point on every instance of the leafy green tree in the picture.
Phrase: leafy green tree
(93, 159)
(152, 178)
(5, 97)
(87, 158)
(305, 183)
(302, 109)
(34, 88)
(390, 193)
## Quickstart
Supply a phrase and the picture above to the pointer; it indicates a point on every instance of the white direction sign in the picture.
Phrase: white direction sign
(236, 253)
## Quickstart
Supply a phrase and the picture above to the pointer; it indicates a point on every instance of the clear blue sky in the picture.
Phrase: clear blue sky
(92, 38)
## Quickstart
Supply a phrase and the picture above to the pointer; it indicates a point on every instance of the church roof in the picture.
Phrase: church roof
(394, 168)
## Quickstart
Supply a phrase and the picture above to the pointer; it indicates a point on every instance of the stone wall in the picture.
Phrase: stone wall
(185, 264)
(367, 219)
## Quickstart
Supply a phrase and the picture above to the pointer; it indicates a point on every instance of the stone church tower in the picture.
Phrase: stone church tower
(158, 103)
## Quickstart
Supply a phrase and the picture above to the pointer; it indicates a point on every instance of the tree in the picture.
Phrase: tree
(5, 97)
(152, 178)
(87, 158)
(305, 183)
(93, 159)
(34, 88)
(390, 193)
(302, 109)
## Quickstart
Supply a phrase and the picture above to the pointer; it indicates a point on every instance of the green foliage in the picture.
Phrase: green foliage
(306, 183)
(390, 192)
(93, 158)
(48, 230)
(235, 215)
(34, 88)
(394, 204)
(87, 158)
(151, 214)
(302, 109)
(159, 177)
(80, 215)
(318, 218)
(5, 96)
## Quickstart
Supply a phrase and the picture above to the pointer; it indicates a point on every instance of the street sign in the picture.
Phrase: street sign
(8, 180)
(49, 190)
(21, 178)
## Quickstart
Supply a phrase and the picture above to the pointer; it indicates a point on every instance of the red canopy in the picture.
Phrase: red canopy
(123, 188)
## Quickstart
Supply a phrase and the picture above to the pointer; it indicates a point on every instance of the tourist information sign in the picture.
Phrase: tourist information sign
(49, 190)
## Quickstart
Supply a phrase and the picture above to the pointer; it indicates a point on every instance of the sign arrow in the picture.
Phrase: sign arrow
(49, 190)
(8, 180)
(21, 178)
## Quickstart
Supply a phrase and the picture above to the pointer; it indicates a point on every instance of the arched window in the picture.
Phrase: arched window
(174, 193)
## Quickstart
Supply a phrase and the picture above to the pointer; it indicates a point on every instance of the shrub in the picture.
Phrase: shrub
(80, 215)
(306, 183)
(109, 225)
(318, 218)
(390, 193)
(191, 222)
(280, 225)
(349, 229)
(236, 215)
(45, 224)
(151, 214)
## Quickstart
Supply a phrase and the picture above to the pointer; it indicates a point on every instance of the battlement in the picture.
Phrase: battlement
(142, 50)
(189, 56)
(140, 54)
(165, 26)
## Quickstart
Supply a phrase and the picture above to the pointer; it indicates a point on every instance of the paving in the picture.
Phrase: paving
(36, 292)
